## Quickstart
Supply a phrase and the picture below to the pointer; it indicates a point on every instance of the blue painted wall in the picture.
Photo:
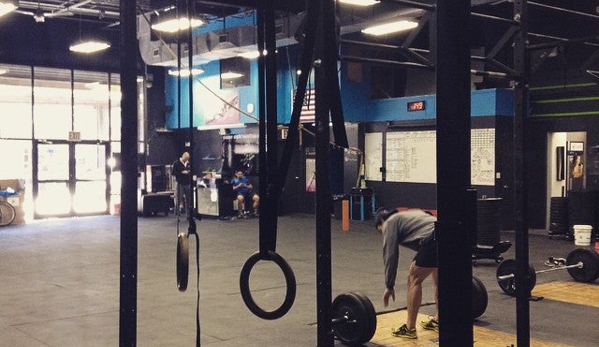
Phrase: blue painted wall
(355, 97)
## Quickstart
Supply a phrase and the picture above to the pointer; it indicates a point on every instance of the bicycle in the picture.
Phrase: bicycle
(7, 210)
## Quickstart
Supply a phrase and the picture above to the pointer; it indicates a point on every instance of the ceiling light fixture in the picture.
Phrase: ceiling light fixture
(221, 126)
(363, 3)
(250, 54)
(88, 47)
(174, 25)
(389, 28)
(186, 72)
(230, 75)
(7, 6)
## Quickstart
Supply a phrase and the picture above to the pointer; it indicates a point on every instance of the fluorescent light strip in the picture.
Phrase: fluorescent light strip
(89, 47)
(185, 72)
(221, 126)
(174, 25)
(389, 28)
(250, 55)
(230, 75)
(363, 3)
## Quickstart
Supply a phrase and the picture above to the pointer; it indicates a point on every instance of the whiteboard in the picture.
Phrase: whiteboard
(482, 157)
(373, 156)
(410, 156)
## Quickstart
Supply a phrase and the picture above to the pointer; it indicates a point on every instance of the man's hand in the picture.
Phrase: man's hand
(388, 293)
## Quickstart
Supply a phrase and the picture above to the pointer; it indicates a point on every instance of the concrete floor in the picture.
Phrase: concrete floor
(60, 284)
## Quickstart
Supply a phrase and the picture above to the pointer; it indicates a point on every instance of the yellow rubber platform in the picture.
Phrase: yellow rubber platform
(482, 337)
(571, 292)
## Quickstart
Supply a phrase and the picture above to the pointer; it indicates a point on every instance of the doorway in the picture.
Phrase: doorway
(566, 165)
(70, 178)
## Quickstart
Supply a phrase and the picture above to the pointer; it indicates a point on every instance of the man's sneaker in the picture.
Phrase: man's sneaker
(431, 324)
(255, 214)
(241, 215)
(404, 332)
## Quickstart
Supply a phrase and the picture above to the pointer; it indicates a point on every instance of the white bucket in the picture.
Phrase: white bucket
(582, 235)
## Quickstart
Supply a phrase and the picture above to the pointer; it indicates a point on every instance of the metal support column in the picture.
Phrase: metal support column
(325, 336)
(128, 251)
(453, 172)
(521, 85)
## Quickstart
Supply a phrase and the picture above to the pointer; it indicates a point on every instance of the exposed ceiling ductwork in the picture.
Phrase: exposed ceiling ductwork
(212, 45)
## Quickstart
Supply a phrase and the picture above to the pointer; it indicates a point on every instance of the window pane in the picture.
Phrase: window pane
(53, 198)
(15, 102)
(115, 104)
(16, 160)
(90, 162)
(53, 162)
(52, 112)
(90, 197)
(91, 105)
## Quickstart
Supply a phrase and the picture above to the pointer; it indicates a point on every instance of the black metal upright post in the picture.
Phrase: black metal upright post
(521, 85)
(129, 127)
(192, 209)
(326, 98)
(453, 172)
(323, 215)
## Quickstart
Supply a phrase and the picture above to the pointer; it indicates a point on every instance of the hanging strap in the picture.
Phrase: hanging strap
(306, 66)
(268, 169)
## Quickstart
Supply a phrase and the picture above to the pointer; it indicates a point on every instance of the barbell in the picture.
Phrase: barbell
(582, 265)
(354, 318)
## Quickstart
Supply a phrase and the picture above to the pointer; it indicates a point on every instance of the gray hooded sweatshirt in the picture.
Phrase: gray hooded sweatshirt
(411, 229)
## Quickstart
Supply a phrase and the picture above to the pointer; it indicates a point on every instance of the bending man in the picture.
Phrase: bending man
(413, 229)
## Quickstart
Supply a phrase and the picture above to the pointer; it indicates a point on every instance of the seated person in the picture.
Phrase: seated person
(244, 190)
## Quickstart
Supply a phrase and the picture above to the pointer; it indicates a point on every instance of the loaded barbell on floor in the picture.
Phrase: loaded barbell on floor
(582, 265)
(354, 318)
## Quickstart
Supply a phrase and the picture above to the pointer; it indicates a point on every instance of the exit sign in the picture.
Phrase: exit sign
(74, 136)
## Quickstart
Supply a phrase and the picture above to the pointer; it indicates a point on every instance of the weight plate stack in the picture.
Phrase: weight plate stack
(488, 221)
(558, 216)
(582, 208)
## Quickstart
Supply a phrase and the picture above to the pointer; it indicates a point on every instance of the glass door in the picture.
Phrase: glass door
(70, 179)
(51, 184)
(91, 185)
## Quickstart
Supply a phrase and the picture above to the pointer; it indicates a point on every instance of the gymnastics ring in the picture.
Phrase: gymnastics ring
(182, 261)
(246, 295)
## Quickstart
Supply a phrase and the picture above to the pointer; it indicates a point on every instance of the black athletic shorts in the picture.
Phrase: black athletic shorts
(427, 255)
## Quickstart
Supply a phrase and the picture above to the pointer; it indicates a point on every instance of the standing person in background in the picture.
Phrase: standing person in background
(244, 190)
(182, 173)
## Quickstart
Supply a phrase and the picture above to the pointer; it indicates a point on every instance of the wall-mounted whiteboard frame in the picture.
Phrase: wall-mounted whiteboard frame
(410, 156)
(373, 156)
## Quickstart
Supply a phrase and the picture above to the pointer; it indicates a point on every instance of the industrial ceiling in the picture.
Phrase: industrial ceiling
(565, 31)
